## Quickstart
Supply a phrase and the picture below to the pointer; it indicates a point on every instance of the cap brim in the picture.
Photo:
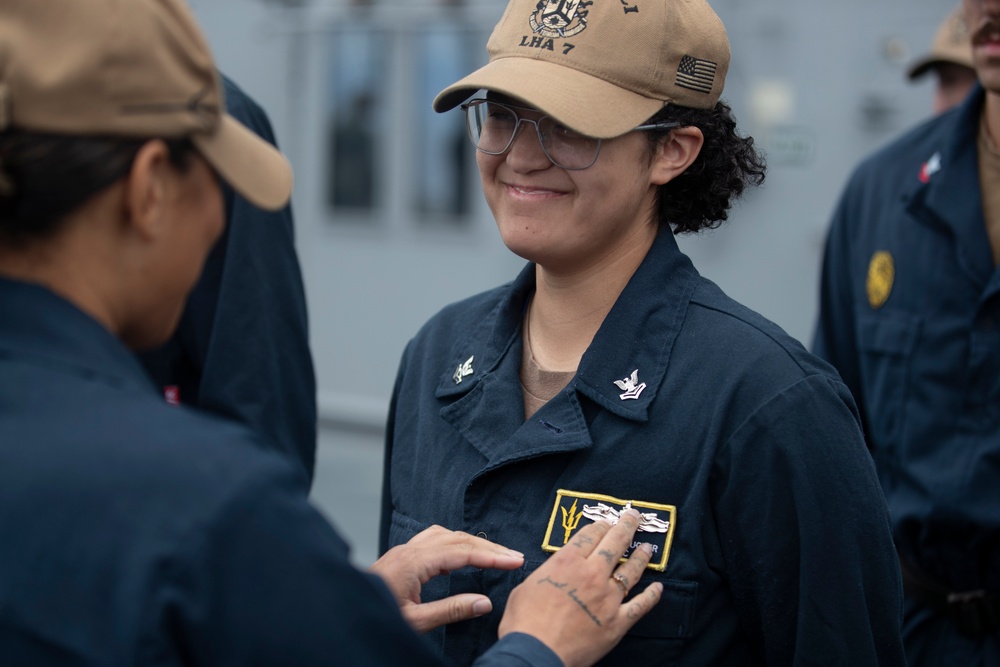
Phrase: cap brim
(921, 67)
(253, 167)
(924, 65)
(578, 100)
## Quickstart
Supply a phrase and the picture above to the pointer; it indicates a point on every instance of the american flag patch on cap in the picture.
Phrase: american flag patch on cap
(696, 74)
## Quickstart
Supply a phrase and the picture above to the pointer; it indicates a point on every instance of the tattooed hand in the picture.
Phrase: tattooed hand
(572, 603)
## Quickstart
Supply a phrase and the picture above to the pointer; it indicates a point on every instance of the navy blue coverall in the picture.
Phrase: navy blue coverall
(910, 316)
(748, 448)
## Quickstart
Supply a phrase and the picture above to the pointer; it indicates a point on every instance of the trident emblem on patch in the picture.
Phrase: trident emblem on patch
(570, 520)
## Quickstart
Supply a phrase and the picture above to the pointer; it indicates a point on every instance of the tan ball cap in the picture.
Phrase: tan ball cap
(952, 44)
(602, 67)
(129, 68)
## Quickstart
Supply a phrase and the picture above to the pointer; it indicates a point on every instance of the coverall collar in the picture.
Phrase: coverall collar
(944, 194)
(636, 336)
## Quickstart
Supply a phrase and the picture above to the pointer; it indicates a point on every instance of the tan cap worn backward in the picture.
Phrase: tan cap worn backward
(130, 68)
(601, 67)
(952, 45)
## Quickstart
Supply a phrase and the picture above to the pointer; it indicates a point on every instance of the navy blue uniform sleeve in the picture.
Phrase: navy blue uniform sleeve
(241, 349)
(805, 532)
(269, 583)
(518, 650)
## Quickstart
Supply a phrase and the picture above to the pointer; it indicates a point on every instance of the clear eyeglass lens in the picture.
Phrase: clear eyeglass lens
(492, 127)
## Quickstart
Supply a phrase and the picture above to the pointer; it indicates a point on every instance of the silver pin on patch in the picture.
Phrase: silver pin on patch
(649, 522)
(631, 386)
(463, 370)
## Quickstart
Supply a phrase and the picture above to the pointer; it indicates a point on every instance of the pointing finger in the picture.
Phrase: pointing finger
(616, 541)
(585, 540)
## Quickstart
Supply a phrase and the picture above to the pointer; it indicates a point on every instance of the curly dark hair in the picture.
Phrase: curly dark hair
(701, 197)
(44, 177)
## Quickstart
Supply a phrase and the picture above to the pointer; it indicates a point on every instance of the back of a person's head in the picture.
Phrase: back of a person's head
(83, 83)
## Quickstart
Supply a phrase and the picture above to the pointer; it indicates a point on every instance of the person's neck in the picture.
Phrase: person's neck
(69, 265)
(568, 308)
(991, 112)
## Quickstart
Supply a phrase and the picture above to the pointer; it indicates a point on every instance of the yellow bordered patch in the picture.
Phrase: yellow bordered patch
(573, 507)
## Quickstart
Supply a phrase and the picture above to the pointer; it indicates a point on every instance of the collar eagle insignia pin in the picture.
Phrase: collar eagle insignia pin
(631, 386)
(464, 370)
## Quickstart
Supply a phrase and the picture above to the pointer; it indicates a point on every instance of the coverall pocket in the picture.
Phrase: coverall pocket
(886, 340)
(659, 637)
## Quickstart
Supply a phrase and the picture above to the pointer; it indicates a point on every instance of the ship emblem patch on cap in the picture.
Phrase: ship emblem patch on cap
(559, 18)
(881, 273)
(574, 510)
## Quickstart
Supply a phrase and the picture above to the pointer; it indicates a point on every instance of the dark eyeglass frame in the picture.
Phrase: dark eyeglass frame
(470, 106)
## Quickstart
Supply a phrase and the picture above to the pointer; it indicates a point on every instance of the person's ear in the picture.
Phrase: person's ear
(146, 189)
(676, 153)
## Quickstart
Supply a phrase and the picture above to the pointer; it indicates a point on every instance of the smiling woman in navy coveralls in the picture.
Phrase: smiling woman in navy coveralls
(743, 451)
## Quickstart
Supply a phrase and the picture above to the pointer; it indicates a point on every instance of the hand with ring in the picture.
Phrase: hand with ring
(622, 582)
(574, 602)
